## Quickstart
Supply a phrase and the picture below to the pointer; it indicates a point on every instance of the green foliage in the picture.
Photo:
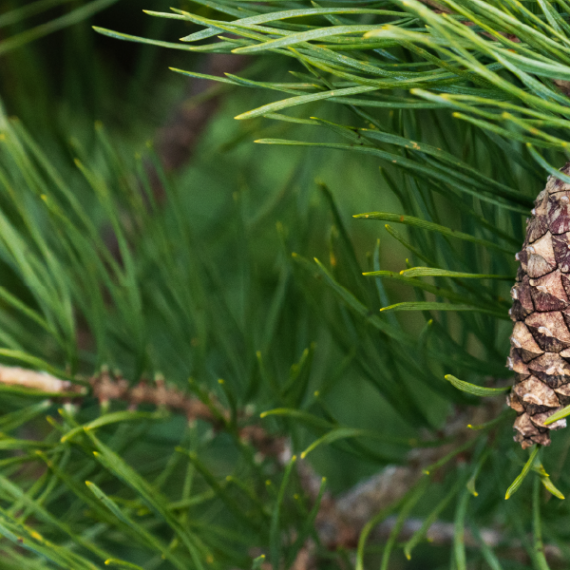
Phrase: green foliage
(57, 76)
(258, 288)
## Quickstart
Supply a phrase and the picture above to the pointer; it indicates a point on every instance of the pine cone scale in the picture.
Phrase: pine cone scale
(562, 251)
(558, 212)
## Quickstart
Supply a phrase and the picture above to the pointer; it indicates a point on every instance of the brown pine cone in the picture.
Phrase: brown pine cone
(540, 344)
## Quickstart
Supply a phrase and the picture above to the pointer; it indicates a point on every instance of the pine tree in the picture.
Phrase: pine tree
(211, 358)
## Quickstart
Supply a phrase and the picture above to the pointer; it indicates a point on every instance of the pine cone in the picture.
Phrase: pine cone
(540, 343)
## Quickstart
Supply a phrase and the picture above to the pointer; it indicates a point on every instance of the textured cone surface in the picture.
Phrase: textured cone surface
(540, 344)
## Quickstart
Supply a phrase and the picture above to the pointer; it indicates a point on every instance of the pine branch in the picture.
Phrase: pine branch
(170, 302)
(177, 139)
(107, 388)
(340, 520)
(41, 381)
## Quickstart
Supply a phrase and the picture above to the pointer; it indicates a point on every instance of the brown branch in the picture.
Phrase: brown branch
(176, 141)
(107, 388)
(42, 381)
(341, 519)
(345, 516)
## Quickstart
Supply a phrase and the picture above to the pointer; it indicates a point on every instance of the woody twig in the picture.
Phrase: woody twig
(340, 519)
